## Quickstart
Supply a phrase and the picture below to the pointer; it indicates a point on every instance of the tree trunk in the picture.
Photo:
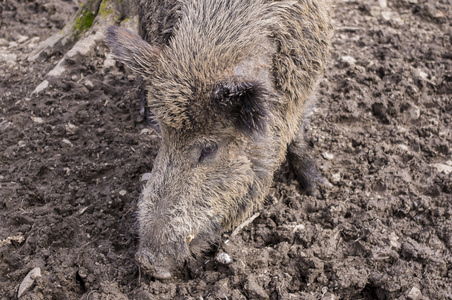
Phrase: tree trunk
(81, 35)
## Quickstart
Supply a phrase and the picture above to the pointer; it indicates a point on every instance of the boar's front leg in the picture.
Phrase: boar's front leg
(304, 165)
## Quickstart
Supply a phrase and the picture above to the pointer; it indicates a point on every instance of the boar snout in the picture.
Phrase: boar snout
(157, 270)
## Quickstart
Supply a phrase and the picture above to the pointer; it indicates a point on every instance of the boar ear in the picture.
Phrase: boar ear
(132, 50)
(244, 102)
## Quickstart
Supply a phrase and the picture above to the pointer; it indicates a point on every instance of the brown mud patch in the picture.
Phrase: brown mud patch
(72, 159)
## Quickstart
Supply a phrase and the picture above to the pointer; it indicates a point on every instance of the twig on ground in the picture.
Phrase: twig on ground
(244, 224)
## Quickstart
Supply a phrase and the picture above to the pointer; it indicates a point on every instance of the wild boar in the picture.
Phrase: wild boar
(229, 83)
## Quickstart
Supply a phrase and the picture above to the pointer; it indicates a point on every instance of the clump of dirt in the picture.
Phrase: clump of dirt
(74, 154)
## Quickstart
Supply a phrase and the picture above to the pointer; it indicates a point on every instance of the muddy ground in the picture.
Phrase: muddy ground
(73, 155)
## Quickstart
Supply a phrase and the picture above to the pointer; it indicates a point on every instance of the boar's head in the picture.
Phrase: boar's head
(211, 91)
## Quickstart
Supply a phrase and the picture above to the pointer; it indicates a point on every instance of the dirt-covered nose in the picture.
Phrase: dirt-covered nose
(158, 271)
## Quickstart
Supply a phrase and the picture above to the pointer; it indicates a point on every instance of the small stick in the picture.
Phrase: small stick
(244, 224)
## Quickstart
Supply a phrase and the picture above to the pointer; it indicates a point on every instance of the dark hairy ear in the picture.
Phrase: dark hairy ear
(243, 101)
(132, 50)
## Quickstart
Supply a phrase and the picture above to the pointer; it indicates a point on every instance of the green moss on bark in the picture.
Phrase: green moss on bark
(83, 22)
(105, 9)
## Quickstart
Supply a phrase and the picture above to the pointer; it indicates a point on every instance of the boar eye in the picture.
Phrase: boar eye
(207, 151)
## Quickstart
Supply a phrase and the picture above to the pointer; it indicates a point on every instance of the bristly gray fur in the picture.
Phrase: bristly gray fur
(229, 82)
(217, 40)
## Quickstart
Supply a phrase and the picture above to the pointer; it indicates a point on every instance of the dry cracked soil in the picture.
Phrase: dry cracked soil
(73, 155)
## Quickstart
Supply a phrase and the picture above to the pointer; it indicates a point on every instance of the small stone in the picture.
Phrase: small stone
(122, 192)
(109, 61)
(386, 15)
(327, 155)
(82, 273)
(401, 129)
(67, 170)
(361, 69)
(336, 177)
(89, 85)
(420, 74)
(410, 112)
(403, 147)
(22, 38)
(415, 112)
(383, 4)
(394, 241)
(414, 294)
(145, 176)
(67, 142)
(28, 281)
(74, 77)
(9, 58)
(146, 130)
(349, 60)
(58, 70)
(37, 120)
(392, 16)
(223, 258)
(12, 44)
(299, 227)
(71, 129)
(41, 87)
(375, 11)
(81, 211)
(444, 168)
(439, 14)
(329, 296)
(35, 39)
